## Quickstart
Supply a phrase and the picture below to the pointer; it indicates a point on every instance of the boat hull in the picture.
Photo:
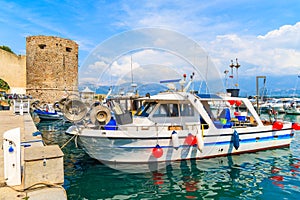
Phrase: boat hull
(293, 111)
(122, 149)
(43, 115)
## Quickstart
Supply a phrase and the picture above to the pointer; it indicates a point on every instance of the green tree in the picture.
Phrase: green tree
(6, 48)
(4, 85)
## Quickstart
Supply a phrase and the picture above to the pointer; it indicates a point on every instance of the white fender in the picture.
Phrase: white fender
(200, 142)
(175, 140)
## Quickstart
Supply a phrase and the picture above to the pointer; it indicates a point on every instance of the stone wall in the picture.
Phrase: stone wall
(52, 67)
(13, 71)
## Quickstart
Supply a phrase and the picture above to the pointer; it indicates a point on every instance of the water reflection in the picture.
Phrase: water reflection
(53, 131)
(255, 175)
(292, 118)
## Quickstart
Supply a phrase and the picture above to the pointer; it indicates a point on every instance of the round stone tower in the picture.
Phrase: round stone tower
(51, 67)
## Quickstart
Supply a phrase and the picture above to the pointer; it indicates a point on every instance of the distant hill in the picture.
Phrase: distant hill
(276, 86)
(142, 89)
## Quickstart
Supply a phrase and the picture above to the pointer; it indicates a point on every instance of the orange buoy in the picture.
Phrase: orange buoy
(191, 140)
(296, 126)
(157, 151)
(238, 102)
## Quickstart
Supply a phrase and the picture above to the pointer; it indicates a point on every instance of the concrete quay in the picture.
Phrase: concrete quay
(42, 166)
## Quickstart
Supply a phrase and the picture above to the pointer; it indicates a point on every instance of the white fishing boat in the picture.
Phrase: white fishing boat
(175, 125)
(293, 108)
(273, 105)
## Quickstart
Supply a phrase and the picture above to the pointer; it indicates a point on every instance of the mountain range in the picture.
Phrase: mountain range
(275, 86)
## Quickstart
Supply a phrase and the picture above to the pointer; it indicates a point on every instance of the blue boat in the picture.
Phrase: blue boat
(48, 113)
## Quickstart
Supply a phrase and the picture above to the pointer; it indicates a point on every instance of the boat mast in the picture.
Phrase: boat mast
(132, 84)
(131, 69)
(206, 89)
(231, 76)
(257, 93)
(237, 66)
(296, 85)
(226, 79)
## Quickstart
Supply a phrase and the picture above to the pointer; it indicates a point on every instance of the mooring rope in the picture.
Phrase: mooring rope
(74, 136)
(45, 184)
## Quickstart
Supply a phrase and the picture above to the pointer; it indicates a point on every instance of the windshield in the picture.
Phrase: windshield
(145, 109)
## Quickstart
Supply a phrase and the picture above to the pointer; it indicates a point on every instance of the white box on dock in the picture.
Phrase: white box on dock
(43, 165)
(24, 104)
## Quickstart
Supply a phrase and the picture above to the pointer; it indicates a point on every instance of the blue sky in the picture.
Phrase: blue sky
(263, 34)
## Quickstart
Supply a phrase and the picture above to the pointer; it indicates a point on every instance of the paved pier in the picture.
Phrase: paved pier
(9, 120)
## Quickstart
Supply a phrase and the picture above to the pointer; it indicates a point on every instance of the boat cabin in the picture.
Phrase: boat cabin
(179, 110)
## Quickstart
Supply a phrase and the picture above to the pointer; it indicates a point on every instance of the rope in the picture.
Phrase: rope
(76, 141)
(35, 184)
(69, 141)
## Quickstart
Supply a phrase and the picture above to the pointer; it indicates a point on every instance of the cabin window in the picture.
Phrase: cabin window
(146, 109)
(167, 110)
(173, 108)
(162, 111)
(186, 110)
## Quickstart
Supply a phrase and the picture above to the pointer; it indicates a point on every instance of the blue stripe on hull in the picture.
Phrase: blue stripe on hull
(250, 140)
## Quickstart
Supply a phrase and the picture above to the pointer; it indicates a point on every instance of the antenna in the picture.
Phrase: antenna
(189, 83)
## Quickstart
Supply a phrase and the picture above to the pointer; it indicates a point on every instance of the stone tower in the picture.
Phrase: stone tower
(51, 67)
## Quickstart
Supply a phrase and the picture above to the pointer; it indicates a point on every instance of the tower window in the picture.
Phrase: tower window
(68, 49)
(42, 46)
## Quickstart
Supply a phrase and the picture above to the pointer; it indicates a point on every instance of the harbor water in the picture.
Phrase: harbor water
(270, 174)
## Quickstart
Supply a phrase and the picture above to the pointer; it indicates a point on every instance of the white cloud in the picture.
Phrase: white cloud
(224, 35)
(276, 52)
(286, 30)
(98, 65)
(147, 66)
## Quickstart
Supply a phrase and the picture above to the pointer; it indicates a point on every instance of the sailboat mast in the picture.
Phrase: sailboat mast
(131, 69)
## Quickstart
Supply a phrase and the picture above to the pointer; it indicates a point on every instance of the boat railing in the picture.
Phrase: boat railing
(188, 126)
